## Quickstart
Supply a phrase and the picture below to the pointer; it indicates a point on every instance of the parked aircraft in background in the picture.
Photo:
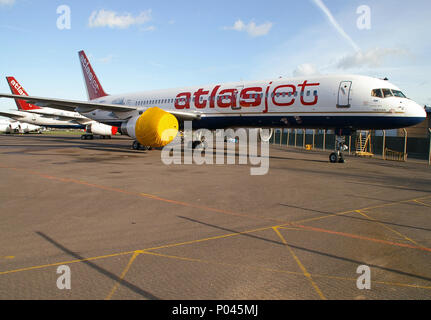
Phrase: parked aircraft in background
(343, 103)
(54, 118)
(7, 126)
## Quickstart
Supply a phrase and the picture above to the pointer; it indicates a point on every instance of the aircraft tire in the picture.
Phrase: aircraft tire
(333, 157)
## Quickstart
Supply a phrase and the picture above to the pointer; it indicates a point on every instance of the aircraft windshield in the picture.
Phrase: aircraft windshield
(386, 93)
(398, 93)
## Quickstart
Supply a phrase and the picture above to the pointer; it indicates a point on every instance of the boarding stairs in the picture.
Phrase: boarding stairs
(363, 144)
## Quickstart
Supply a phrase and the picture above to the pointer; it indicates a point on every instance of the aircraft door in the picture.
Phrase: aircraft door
(237, 98)
(344, 92)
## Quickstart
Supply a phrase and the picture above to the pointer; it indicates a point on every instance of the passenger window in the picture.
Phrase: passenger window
(315, 93)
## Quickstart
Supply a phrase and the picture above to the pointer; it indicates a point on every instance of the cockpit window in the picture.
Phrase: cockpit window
(387, 93)
(398, 93)
(376, 93)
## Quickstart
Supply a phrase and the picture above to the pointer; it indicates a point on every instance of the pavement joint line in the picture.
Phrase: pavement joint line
(301, 266)
(392, 230)
(123, 274)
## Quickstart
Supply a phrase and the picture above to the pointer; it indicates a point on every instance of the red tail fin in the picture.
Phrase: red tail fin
(94, 88)
(17, 89)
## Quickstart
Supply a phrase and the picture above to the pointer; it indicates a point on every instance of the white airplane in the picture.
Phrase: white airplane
(343, 103)
(18, 127)
(53, 118)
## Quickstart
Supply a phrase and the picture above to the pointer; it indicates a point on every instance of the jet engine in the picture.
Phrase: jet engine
(154, 128)
(27, 128)
(101, 129)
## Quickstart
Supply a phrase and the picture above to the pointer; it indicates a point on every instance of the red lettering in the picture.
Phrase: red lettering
(266, 98)
(182, 100)
(227, 94)
(245, 95)
(197, 96)
(303, 86)
(213, 96)
(276, 94)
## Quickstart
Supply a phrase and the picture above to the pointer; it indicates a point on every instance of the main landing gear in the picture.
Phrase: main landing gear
(137, 146)
(198, 141)
(198, 144)
(340, 146)
(91, 137)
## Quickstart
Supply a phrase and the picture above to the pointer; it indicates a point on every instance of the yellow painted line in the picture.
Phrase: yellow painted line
(65, 262)
(301, 266)
(9, 257)
(396, 284)
(422, 203)
(66, 180)
(154, 197)
(130, 252)
(355, 210)
(207, 239)
(144, 195)
(390, 229)
(123, 274)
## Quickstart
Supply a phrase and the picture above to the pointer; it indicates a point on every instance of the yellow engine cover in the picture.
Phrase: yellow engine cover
(156, 128)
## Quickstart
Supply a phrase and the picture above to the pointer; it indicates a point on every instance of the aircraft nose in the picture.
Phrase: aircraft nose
(418, 110)
(416, 113)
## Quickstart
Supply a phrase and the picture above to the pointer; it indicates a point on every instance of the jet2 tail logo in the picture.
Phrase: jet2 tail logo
(90, 77)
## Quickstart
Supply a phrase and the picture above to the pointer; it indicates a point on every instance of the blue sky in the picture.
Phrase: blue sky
(144, 45)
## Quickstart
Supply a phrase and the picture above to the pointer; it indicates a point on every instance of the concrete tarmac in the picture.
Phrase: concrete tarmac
(130, 227)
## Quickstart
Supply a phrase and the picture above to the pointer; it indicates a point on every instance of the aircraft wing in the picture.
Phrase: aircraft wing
(87, 106)
(12, 115)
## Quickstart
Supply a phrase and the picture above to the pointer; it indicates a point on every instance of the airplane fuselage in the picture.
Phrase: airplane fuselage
(44, 121)
(331, 102)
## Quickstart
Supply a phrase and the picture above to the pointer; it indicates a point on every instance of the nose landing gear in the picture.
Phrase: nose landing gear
(340, 146)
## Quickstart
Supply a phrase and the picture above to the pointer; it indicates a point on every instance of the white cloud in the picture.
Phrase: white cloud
(305, 69)
(335, 24)
(6, 2)
(252, 29)
(112, 19)
(371, 58)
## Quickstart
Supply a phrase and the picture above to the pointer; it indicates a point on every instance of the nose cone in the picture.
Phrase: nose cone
(417, 111)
